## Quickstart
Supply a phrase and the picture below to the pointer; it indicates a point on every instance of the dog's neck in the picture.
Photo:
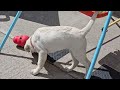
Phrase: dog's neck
(31, 42)
(41, 45)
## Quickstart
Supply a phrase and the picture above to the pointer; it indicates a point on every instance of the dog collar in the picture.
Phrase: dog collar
(41, 46)
(31, 42)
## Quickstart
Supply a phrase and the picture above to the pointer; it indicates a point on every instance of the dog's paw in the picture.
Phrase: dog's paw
(34, 72)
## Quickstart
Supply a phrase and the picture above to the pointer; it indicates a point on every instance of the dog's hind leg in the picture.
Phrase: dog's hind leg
(75, 62)
(79, 56)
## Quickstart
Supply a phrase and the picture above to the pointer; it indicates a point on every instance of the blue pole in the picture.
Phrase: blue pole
(94, 59)
(10, 29)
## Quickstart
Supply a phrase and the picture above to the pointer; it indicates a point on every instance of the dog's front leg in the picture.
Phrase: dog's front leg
(41, 61)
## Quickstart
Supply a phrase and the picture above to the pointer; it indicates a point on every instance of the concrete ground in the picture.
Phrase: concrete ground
(15, 63)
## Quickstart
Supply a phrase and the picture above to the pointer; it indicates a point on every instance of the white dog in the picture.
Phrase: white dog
(50, 39)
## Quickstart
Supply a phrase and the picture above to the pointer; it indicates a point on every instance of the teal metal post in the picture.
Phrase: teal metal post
(10, 29)
(94, 59)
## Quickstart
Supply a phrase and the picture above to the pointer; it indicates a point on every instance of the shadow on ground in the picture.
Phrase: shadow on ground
(35, 55)
(52, 71)
(109, 69)
(49, 18)
(111, 64)
(116, 14)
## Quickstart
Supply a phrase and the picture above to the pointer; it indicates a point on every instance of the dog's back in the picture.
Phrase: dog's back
(58, 38)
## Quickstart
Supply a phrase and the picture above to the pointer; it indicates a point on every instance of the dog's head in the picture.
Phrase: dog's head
(29, 47)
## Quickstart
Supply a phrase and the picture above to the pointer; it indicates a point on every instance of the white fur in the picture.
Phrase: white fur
(50, 39)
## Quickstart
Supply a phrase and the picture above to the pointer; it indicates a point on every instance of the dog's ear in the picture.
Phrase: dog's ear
(27, 48)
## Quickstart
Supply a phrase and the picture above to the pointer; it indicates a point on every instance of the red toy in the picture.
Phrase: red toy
(90, 13)
(20, 40)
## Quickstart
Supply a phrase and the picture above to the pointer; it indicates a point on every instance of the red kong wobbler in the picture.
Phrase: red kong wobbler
(20, 40)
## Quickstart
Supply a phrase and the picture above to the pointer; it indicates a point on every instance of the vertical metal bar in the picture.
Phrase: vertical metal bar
(10, 29)
(94, 59)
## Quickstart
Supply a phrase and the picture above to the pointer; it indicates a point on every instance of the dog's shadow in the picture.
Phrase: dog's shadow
(56, 71)
(20, 48)
(111, 63)
(76, 74)
(52, 71)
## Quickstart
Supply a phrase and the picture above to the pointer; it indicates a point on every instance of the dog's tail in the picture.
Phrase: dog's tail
(87, 28)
